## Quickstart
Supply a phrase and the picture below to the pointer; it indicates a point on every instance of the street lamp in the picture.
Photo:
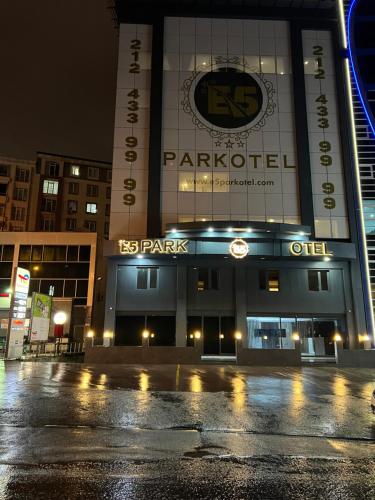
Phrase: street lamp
(59, 320)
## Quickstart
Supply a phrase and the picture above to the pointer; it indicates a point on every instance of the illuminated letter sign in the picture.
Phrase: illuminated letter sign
(153, 246)
(239, 248)
(309, 248)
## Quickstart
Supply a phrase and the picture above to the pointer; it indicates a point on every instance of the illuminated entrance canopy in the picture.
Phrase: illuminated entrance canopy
(309, 248)
(128, 247)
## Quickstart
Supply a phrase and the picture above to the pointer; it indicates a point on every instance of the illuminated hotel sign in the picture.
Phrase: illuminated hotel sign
(238, 248)
(129, 247)
(309, 248)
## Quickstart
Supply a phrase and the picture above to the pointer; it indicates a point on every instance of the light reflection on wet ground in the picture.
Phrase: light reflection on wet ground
(88, 411)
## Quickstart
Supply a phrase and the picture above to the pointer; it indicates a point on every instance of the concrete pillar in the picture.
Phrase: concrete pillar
(240, 302)
(110, 298)
(181, 293)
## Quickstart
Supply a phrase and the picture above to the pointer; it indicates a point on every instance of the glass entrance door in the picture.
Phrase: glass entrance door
(218, 335)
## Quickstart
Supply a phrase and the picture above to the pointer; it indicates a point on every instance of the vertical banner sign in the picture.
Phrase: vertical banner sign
(228, 122)
(131, 140)
(41, 307)
(330, 211)
(17, 327)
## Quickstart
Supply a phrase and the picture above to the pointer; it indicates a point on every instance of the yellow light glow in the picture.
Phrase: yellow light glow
(197, 334)
(295, 336)
(145, 334)
(152, 335)
(59, 318)
(337, 337)
(36, 268)
(364, 338)
(221, 336)
(265, 337)
(90, 334)
(238, 335)
(108, 334)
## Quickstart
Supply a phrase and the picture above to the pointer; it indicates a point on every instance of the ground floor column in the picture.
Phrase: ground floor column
(181, 306)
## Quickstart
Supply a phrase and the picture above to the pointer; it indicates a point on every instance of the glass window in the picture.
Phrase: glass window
(269, 280)
(91, 208)
(82, 286)
(71, 224)
(265, 332)
(92, 190)
(48, 224)
(37, 252)
(50, 187)
(8, 251)
(72, 253)
(74, 170)
(369, 216)
(208, 279)
(49, 205)
(221, 182)
(202, 279)
(93, 172)
(17, 213)
(34, 286)
(186, 181)
(90, 225)
(107, 210)
(4, 170)
(25, 252)
(20, 194)
(318, 280)
(72, 206)
(73, 188)
(52, 287)
(22, 175)
(142, 274)
(108, 192)
(84, 253)
(147, 277)
(70, 288)
(52, 169)
(203, 182)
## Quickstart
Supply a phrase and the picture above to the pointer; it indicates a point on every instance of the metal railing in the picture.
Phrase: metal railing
(52, 349)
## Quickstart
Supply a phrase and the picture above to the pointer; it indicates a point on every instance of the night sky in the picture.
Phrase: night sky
(58, 78)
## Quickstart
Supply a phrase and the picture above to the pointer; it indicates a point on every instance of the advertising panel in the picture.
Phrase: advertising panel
(41, 308)
(228, 146)
(131, 137)
(328, 183)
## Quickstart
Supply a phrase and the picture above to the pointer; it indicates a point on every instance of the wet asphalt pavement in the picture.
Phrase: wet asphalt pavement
(79, 431)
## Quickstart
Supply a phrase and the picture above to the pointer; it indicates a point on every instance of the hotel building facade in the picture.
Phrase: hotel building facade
(235, 201)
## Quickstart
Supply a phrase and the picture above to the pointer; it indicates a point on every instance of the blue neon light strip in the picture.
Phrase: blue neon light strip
(364, 104)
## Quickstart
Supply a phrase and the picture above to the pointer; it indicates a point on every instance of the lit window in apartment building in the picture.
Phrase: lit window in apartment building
(74, 170)
(91, 208)
(48, 224)
(73, 188)
(72, 206)
(71, 224)
(93, 173)
(50, 187)
(17, 213)
(22, 175)
(52, 169)
(49, 205)
(90, 225)
(92, 190)
(20, 194)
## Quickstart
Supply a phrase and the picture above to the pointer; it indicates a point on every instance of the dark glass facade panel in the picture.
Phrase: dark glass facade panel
(227, 340)
(72, 254)
(8, 252)
(84, 253)
(202, 279)
(128, 330)
(25, 252)
(324, 280)
(37, 252)
(153, 277)
(34, 286)
(313, 281)
(214, 279)
(6, 270)
(70, 288)
(163, 328)
(194, 324)
(58, 270)
(82, 286)
(57, 285)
